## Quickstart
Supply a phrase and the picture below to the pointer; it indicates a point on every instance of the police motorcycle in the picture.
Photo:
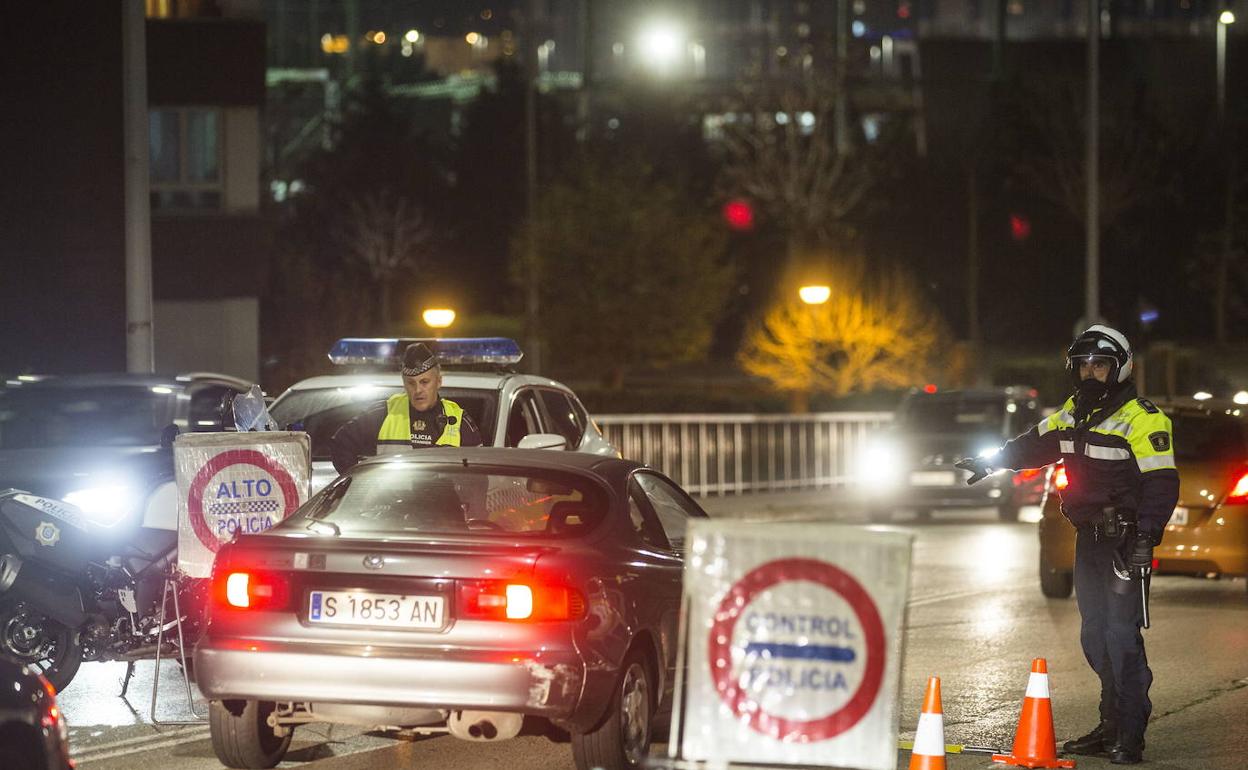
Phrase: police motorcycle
(79, 586)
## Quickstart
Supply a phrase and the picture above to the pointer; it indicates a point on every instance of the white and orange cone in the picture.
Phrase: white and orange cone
(929, 739)
(1035, 744)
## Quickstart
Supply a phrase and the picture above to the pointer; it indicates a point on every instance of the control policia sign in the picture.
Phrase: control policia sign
(792, 641)
(232, 483)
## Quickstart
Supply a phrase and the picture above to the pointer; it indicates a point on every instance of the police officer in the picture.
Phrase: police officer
(1119, 457)
(415, 418)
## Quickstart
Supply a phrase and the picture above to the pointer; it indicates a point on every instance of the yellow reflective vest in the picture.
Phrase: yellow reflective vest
(396, 429)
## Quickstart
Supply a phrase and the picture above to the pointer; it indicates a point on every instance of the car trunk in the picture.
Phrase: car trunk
(327, 588)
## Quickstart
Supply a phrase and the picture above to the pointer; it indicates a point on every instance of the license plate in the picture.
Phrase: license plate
(370, 609)
(1179, 517)
(933, 478)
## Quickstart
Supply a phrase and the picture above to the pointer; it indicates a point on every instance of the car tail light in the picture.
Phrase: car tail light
(502, 600)
(1060, 479)
(1026, 475)
(1239, 491)
(250, 590)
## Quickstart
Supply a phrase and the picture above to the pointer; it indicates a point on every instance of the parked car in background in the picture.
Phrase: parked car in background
(33, 735)
(1208, 532)
(909, 464)
(477, 373)
(461, 589)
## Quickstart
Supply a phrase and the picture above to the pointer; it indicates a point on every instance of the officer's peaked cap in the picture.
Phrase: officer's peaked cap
(418, 359)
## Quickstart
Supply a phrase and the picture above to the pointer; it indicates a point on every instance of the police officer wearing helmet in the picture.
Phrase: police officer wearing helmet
(415, 418)
(1123, 485)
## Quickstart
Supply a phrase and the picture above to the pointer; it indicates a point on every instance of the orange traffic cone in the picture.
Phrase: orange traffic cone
(929, 739)
(1034, 742)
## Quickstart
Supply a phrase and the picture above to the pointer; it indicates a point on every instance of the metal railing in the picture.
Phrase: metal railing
(718, 454)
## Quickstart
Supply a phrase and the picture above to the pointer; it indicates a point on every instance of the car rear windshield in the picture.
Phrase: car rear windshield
(50, 417)
(1204, 437)
(400, 498)
(953, 415)
(322, 411)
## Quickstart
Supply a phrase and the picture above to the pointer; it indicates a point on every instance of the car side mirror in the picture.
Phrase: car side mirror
(543, 441)
(167, 436)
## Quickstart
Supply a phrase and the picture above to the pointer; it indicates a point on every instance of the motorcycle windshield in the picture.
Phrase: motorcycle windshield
(51, 417)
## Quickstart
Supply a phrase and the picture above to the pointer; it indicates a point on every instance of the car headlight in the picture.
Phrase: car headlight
(103, 505)
(880, 465)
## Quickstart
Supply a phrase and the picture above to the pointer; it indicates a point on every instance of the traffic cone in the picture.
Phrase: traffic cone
(1034, 741)
(929, 739)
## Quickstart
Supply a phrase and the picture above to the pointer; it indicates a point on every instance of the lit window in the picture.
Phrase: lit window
(185, 154)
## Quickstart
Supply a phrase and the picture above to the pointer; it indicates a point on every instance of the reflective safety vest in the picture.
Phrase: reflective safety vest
(1107, 455)
(396, 429)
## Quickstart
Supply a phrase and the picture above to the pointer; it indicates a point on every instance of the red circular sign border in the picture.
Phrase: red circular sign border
(195, 495)
(720, 653)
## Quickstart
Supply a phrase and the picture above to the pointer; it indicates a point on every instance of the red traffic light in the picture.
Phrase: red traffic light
(1020, 227)
(739, 214)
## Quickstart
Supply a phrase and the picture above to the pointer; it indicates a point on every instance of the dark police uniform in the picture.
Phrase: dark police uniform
(1119, 461)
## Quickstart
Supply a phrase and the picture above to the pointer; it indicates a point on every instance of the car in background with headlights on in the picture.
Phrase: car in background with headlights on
(455, 590)
(95, 441)
(910, 463)
(1207, 535)
(33, 734)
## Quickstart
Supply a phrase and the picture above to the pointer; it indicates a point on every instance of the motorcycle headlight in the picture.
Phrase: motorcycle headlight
(103, 505)
(880, 465)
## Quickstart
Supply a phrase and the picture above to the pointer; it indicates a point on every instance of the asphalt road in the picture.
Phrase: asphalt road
(976, 619)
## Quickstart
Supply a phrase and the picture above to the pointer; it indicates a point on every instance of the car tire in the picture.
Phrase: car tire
(621, 741)
(241, 736)
(1056, 583)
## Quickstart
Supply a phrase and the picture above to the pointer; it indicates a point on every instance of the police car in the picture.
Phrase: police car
(509, 408)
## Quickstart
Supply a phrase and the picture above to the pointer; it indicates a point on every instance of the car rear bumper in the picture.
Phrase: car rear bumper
(548, 685)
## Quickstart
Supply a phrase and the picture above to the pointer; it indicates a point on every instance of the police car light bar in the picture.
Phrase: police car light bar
(379, 351)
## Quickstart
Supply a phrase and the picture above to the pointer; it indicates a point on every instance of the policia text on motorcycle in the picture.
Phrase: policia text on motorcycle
(415, 418)
(1119, 458)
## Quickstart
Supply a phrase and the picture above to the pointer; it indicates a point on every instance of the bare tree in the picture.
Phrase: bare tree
(783, 154)
(389, 236)
(875, 330)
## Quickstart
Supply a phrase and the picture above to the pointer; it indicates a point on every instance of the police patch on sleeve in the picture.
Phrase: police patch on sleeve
(1149, 406)
(1160, 440)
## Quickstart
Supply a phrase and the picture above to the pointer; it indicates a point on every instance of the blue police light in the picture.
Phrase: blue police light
(380, 351)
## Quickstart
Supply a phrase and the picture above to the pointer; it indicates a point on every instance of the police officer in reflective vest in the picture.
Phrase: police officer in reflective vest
(414, 418)
(1119, 457)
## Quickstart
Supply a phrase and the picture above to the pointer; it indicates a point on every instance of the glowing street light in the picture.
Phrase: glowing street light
(438, 317)
(661, 42)
(815, 295)
(1241, 397)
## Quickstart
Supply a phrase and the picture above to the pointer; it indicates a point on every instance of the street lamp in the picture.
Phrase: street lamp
(1225, 20)
(815, 295)
(438, 318)
(661, 42)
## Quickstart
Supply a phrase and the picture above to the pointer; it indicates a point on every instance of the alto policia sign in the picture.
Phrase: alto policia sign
(232, 483)
(793, 645)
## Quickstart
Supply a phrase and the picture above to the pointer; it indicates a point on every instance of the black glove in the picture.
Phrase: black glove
(1141, 555)
(978, 467)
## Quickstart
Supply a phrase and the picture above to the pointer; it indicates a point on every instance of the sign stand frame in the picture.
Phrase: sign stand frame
(171, 586)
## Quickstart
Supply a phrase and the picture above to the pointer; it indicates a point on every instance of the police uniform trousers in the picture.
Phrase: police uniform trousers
(1111, 638)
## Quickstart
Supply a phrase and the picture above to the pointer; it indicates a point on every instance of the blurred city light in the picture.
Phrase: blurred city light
(471, 38)
(412, 36)
(1241, 397)
(375, 37)
(1227, 17)
(438, 317)
(1202, 395)
(739, 214)
(661, 42)
(814, 295)
(335, 43)
(930, 388)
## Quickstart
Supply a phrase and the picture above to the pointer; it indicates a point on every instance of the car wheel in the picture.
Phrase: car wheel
(41, 643)
(241, 736)
(1056, 583)
(621, 740)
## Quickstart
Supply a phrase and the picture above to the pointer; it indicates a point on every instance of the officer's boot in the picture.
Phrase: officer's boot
(1099, 741)
(1127, 751)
